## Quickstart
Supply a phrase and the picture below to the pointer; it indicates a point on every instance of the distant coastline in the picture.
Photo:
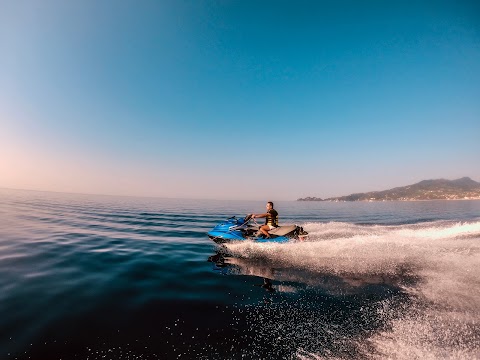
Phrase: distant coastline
(439, 189)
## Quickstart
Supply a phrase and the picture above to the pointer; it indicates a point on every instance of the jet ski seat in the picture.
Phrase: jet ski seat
(282, 230)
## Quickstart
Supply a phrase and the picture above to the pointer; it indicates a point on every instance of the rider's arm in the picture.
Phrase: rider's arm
(259, 215)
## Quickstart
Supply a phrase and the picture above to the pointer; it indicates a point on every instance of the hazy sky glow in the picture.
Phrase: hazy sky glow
(237, 99)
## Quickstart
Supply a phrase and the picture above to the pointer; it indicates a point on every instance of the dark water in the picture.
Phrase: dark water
(85, 277)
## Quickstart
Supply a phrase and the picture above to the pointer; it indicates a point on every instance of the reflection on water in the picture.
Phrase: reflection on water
(287, 279)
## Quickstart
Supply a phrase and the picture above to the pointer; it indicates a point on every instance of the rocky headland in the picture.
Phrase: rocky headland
(438, 189)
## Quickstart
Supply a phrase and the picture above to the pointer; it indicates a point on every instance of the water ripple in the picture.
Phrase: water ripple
(84, 275)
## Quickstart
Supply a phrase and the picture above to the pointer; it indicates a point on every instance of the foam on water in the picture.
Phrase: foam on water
(441, 318)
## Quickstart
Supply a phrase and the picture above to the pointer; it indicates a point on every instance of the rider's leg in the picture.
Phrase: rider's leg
(264, 229)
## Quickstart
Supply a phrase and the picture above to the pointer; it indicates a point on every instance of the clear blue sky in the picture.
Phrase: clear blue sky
(237, 99)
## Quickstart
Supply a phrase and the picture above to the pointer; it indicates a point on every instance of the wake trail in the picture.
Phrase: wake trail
(443, 316)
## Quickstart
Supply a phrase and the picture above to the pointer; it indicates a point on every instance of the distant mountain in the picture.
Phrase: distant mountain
(439, 189)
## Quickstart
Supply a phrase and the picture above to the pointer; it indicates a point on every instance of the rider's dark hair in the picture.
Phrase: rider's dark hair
(271, 204)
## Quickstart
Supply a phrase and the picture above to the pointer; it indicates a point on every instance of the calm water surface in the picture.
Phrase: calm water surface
(92, 277)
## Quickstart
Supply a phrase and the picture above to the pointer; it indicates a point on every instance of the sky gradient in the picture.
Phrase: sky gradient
(237, 99)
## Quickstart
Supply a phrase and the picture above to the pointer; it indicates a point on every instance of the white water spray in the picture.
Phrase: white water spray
(442, 320)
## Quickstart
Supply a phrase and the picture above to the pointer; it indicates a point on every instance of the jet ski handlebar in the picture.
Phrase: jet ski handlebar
(248, 218)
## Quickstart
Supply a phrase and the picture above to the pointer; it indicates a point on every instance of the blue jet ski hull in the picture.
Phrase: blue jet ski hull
(236, 230)
(222, 238)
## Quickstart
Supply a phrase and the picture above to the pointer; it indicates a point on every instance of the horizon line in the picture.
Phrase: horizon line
(131, 196)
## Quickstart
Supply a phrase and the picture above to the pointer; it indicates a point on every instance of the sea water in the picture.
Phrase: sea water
(99, 277)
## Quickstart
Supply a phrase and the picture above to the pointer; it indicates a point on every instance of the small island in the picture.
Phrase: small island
(438, 189)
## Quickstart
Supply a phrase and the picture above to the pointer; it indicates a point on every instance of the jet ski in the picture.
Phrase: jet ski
(241, 229)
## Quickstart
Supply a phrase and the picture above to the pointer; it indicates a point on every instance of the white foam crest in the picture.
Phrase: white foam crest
(336, 230)
(441, 230)
(430, 230)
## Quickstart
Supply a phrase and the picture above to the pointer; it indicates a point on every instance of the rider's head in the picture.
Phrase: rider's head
(269, 205)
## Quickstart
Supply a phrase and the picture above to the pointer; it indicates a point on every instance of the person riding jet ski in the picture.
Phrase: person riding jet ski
(271, 221)
(239, 229)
